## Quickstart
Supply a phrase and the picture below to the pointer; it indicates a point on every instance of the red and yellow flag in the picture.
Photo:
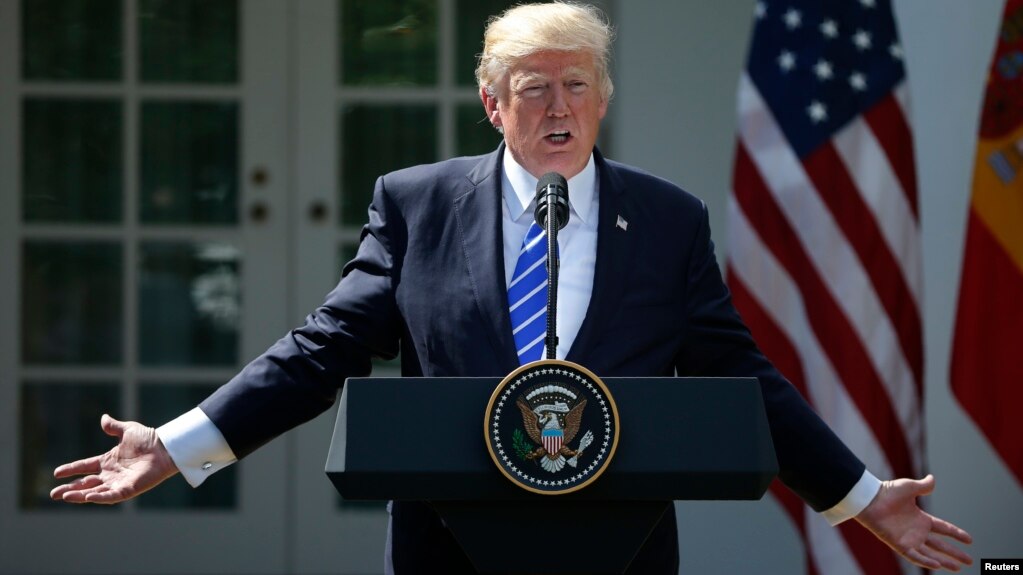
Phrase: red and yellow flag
(987, 353)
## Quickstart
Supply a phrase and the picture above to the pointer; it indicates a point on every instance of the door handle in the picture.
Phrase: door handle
(318, 211)
(259, 212)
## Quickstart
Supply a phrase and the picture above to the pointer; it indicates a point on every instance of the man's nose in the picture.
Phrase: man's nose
(557, 106)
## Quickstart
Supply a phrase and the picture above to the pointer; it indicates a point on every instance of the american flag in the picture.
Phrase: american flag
(825, 255)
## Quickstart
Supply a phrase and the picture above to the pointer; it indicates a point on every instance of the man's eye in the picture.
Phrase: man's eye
(577, 86)
(532, 90)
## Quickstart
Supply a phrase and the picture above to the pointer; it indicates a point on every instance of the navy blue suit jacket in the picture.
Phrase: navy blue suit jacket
(429, 280)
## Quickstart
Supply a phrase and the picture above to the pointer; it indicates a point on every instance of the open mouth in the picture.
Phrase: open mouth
(559, 136)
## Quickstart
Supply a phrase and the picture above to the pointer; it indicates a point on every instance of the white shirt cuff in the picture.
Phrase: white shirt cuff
(196, 446)
(855, 501)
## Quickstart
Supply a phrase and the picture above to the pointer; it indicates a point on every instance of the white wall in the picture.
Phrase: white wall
(677, 64)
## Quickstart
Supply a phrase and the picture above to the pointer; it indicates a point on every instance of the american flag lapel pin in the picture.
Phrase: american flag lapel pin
(624, 225)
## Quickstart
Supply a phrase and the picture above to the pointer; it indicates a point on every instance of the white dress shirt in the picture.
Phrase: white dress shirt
(577, 241)
(199, 449)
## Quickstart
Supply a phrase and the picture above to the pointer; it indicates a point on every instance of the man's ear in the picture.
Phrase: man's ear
(491, 107)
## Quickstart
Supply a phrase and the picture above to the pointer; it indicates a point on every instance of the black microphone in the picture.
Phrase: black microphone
(552, 199)
(551, 190)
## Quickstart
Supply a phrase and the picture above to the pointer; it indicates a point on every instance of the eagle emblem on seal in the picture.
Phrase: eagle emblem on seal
(551, 415)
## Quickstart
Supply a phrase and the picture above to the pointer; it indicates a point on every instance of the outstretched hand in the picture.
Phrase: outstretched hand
(138, 463)
(895, 518)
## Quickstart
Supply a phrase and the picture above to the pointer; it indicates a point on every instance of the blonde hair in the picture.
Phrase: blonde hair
(530, 28)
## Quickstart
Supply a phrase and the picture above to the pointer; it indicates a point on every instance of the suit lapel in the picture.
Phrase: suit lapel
(614, 251)
(478, 214)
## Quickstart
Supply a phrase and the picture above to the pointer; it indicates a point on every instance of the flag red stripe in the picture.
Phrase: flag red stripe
(872, 555)
(835, 187)
(890, 128)
(772, 341)
(775, 345)
(986, 370)
(837, 338)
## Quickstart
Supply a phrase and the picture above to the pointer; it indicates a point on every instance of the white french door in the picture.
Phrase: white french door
(143, 226)
(379, 86)
(181, 181)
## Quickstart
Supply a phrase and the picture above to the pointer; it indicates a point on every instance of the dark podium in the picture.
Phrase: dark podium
(422, 439)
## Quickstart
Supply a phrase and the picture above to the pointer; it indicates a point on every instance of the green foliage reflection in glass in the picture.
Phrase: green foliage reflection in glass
(71, 302)
(72, 158)
(472, 19)
(188, 41)
(377, 140)
(388, 42)
(71, 40)
(189, 304)
(189, 162)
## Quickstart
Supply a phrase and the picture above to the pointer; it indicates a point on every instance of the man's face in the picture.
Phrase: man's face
(550, 108)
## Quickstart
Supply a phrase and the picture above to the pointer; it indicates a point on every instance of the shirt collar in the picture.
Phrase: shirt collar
(519, 188)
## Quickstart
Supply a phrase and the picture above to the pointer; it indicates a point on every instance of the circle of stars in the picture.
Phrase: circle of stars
(583, 473)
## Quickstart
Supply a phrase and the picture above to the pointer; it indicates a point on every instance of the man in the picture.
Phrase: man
(432, 277)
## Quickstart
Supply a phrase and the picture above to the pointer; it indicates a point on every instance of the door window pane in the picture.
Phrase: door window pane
(474, 132)
(60, 423)
(472, 19)
(189, 304)
(71, 39)
(72, 160)
(188, 41)
(380, 139)
(388, 42)
(71, 302)
(189, 161)
(160, 403)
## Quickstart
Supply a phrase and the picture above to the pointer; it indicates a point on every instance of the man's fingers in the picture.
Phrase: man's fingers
(101, 494)
(922, 560)
(923, 486)
(106, 496)
(79, 495)
(939, 544)
(112, 426)
(57, 493)
(80, 467)
(87, 482)
(943, 527)
(945, 561)
(77, 485)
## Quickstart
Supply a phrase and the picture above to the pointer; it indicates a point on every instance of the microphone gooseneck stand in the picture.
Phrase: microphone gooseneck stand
(553, 264)
(551, 214)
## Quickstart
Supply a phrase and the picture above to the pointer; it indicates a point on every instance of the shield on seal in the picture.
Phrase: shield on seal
(552, 439)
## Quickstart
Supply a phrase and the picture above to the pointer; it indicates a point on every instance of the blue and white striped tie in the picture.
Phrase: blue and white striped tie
(527, 296)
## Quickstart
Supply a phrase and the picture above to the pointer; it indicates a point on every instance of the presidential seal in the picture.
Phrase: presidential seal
(551, 427)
